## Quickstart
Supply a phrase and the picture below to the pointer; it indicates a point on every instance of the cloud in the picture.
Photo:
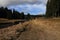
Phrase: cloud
(16, 2)
(28, 8)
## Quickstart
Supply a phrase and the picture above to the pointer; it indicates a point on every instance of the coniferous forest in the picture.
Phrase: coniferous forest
(9, 14)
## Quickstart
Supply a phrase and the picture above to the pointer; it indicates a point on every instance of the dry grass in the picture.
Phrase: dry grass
(2, 20)
(38, 29)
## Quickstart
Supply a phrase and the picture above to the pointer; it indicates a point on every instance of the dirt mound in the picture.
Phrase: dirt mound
(38, 29)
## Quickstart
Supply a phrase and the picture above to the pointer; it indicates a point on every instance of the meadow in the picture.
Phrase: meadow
(35, 29)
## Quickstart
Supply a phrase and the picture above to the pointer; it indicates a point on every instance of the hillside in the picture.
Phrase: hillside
(38, 29)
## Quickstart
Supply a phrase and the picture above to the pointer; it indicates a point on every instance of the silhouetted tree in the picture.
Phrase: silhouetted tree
(5, 13)
(8, 13)
(22, 15)
(2, 12)
(16, 15)
(53, 8)
(28, 16)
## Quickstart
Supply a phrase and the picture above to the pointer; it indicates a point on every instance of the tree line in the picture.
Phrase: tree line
(13, 14)
(53, 8)
(9, 14)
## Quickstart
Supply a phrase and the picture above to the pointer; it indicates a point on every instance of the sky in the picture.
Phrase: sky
(33, 7)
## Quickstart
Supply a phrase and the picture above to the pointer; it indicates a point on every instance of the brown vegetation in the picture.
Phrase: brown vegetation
(38, 29)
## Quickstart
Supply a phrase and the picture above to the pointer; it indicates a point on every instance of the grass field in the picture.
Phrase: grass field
(7, 20)
(37, 29)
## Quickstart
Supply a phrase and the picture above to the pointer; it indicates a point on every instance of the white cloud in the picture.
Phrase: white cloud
(15, 2)
(28, 8)
(32, 6)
